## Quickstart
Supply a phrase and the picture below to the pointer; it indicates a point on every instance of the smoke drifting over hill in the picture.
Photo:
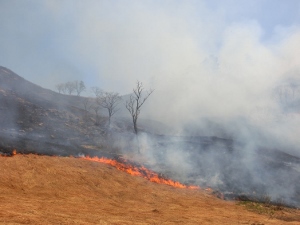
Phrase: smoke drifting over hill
(204, 59)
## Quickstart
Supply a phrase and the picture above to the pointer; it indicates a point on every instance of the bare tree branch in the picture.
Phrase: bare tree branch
(61, 88)
(135, 103)
(109, 101)
(79, 87)
(96, 90)
(70, 87)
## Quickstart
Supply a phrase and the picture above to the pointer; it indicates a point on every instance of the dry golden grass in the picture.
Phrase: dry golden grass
(55, 190)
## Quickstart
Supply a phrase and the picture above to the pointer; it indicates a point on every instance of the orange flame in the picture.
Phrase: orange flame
(139, 171)
(133, 170)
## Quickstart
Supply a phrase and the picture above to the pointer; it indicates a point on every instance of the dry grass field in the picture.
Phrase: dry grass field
(61, 190)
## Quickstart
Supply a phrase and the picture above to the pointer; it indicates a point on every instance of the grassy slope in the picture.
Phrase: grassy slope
(55, 190)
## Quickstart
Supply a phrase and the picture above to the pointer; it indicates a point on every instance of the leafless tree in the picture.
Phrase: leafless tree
(60, 88)
(79, 87)
(70, 87)
(135, 103)
(109, 101)
(96, 90)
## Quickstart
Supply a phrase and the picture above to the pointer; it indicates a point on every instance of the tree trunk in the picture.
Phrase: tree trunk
(135, 127)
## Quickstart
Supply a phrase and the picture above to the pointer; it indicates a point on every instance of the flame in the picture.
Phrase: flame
(139, 171)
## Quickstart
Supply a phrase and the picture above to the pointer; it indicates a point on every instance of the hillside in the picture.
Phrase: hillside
(40, 121)
(62, 190)
(34, 119)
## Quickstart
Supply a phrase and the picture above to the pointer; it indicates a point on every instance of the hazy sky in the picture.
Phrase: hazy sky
(111, 44)
(217, 59)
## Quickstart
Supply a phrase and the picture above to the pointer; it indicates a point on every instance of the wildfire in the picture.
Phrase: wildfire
(139, 171)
